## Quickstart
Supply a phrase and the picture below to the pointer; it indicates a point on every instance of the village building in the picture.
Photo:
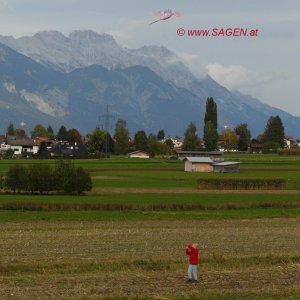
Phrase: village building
(177, 142)
(20, 145)
(64, 148)
(138, 154)
(255, 148)
(289, 142)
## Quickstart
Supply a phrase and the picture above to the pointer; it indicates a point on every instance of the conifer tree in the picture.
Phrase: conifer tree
(245, 136)
(274, 131)
(141, 140)
(190, 142)
(211, 113)
(210, 136)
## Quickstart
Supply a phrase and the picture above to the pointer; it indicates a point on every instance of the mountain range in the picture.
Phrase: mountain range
(54, 79)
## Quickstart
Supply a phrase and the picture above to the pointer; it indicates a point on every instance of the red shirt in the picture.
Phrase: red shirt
(193, 254)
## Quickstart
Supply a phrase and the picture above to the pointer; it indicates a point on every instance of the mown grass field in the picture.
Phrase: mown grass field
(126, 238)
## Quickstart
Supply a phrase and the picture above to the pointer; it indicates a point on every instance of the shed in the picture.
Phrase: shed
(214, 155)
(138, 154)
(226, 167)
(198, 164)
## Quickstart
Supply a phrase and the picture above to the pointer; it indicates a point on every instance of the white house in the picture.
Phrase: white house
(21, 145)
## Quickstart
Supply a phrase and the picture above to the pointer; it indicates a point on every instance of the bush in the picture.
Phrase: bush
(241, 183)
(64, 173)
(82, 181)
(270, 147)
(42, 178)
(289, 152)
(71, 180)
(16, 178)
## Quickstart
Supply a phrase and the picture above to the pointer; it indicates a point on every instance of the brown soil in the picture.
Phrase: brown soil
(26, 246)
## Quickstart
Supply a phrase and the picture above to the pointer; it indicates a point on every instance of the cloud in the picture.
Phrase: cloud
(188, 58)
(236, 77)
(129, 30)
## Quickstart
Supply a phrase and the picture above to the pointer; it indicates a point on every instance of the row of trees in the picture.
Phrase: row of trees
(64, 177)
(238, 138)
(99, 141)
(71, 135)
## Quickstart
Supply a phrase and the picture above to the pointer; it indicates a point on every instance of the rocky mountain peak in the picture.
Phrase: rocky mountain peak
(90, 35)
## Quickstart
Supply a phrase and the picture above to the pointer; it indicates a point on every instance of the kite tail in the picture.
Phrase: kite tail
(155, 22)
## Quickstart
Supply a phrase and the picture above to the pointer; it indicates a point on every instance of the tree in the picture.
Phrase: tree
(170, 145)
(260, 139)
(10, 129)
(121, 137)
(96, 141)
(230, 139)
(190, 142)
(43, 150)
(39, 178)
(50, 132)
(39, 131)
(141, 140)
(20, 132)
(211, 113)
(244, 136)
(71, 180)
(42, 178)
(73, 136)
(9, 153)
(82, 182)
(64, 176)
(161, 135)
(153, 145)
(16, 178)
(274, 131)
(62, 134)
(210, 136)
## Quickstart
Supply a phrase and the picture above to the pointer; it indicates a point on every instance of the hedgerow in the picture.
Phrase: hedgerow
(289, 152)
(241, 183)
(41, 178)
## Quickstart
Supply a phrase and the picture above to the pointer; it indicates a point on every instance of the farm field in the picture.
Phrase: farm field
(126, 238)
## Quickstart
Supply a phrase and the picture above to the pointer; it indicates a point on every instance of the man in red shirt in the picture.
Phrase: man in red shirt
(192, 251)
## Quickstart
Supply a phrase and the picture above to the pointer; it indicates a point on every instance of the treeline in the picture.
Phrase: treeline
(99, 141)
(41, 178)
(238, 138)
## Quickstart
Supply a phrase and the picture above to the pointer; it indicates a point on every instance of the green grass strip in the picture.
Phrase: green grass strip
(251, 213)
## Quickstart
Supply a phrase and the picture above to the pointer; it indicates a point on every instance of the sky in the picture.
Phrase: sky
(265, 66)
